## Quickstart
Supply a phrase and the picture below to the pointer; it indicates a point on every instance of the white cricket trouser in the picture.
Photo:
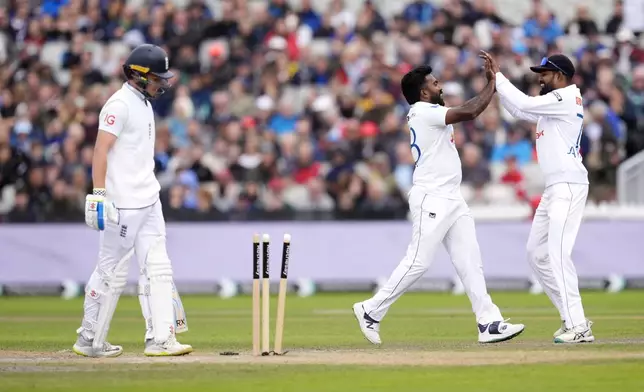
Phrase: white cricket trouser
(552, 238)
(437, 220)
(138, 229)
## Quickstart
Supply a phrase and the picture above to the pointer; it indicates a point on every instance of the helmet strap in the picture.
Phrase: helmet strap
(141, 84)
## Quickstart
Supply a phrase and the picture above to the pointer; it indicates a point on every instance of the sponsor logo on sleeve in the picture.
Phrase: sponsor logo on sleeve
(109, 119)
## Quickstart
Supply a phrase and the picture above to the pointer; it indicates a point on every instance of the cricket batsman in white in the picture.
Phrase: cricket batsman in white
(559, 115)
(439, 212)
(126, 209)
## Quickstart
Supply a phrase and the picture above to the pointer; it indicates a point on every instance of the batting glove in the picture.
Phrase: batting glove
(98, 210)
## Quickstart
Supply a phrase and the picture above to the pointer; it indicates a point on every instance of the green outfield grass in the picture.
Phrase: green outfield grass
(429, 342)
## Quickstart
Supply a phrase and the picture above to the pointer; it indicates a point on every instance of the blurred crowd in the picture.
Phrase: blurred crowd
(280, 107)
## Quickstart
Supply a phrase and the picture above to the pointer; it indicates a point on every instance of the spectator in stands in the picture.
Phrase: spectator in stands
(403, 172)
(419, 11)
(615, 22)
(635, 138)
(476, 170)
(516, 145)
(627, 52)
(543, 26)
(583, 23)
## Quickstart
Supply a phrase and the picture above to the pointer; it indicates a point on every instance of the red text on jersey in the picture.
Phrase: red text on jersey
(109, 119)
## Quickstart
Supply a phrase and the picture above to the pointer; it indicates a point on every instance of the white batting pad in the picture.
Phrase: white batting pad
(108, 300)
(144, 300)
(159, 272)
(180, 318)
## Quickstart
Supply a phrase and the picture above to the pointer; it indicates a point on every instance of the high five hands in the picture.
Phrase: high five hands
(491, 66)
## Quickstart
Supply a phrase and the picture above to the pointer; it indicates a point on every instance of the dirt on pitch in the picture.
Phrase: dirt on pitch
(18, 361)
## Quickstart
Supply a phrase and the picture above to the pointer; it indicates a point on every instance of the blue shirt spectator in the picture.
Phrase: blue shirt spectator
(309, 17)
(543, 26)
(515, 146)
(282, 124)
(419, 11)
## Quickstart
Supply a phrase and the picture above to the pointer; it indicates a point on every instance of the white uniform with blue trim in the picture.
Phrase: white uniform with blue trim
(439, 216)
(559, 118)
(438, 166)
(132, 185)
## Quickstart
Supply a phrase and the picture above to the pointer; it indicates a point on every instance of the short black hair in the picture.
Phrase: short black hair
(412, 83)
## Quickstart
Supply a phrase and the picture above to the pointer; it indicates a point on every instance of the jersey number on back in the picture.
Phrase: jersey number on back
(415, 150)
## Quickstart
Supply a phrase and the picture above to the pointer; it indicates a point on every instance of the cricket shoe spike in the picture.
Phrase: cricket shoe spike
(171, 348)
(499, 331)
(370, 328)
(84, 347)
(578, 334)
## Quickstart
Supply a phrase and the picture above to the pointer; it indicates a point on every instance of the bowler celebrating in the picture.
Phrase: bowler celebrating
(558, 113)
(439, 212)
(125, 208)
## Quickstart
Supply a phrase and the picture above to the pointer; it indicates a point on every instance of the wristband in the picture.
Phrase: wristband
(99, 192)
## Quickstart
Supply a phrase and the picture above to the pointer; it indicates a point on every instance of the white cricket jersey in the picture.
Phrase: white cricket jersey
(438, 167)
(130, 181)
(559, 116)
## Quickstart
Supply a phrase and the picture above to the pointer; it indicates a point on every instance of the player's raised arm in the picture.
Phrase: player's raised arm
(515, 112)
(549, 103)
(543, 105)
(475, 106)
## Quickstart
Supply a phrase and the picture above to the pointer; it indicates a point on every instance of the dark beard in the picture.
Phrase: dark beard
(545, 89)
(437, 99)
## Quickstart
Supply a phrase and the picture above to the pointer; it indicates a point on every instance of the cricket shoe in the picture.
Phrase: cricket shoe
(499, 331)
(84, 347)
(579, 334)
(563, 329)
(171, 348)
(370, 328)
